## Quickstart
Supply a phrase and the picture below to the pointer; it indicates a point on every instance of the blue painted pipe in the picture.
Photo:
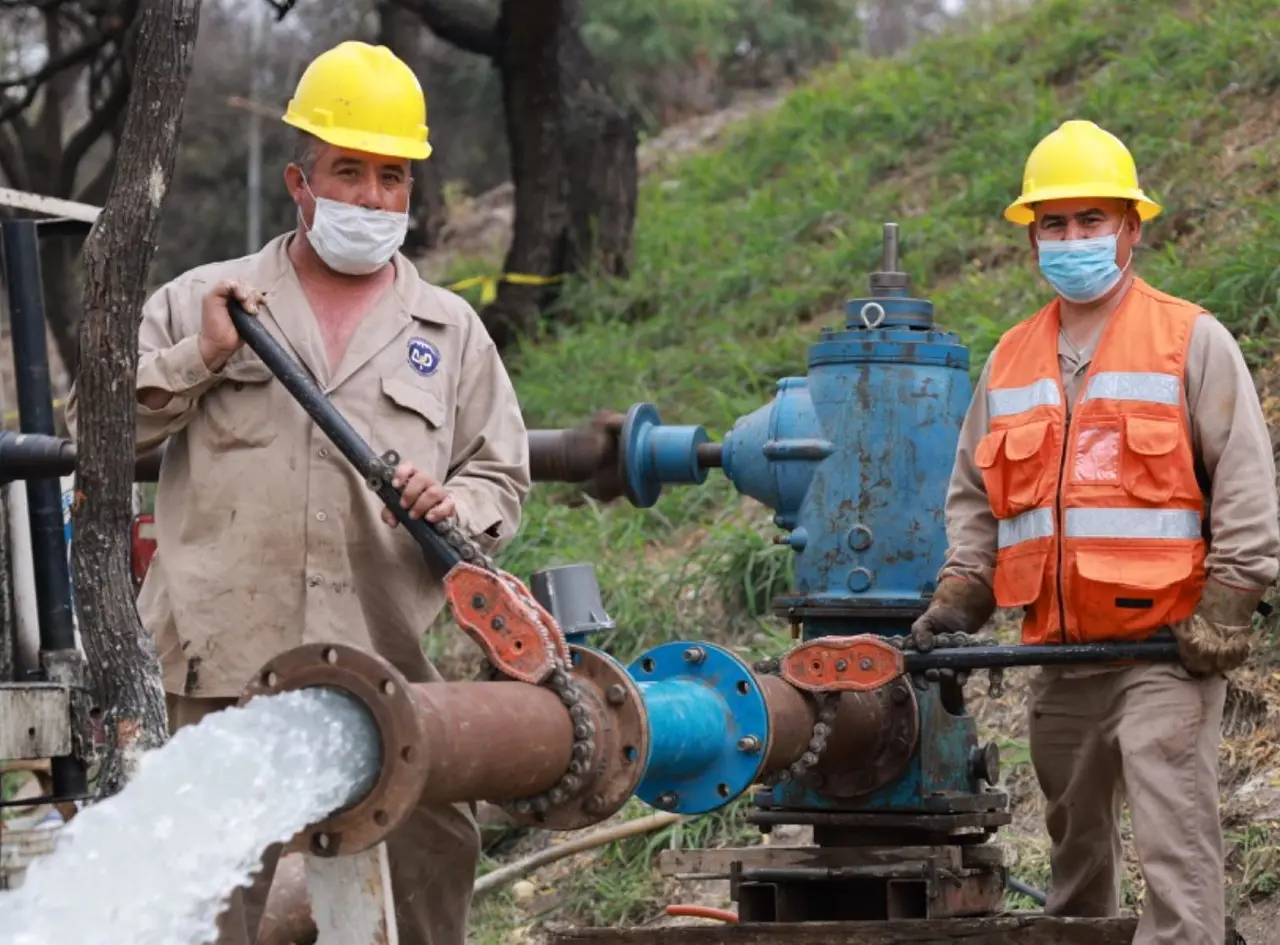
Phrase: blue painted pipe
(708, 726)
(686, 728)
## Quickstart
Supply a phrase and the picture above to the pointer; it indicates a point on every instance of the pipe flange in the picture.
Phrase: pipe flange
(612, 772)
(385, 694)
(741, 755)
(893, 752)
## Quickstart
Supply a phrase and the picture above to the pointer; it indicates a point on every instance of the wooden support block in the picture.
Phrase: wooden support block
(715, 863)
(351, 898)
(1004, 930)
(35, 721)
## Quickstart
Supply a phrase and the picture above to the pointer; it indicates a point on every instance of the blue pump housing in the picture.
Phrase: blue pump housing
(854, 459)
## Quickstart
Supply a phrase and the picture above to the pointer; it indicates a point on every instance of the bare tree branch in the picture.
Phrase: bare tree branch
(459, 23)
(33, 82)
(121, 652)
(98, 123)
(11, 163)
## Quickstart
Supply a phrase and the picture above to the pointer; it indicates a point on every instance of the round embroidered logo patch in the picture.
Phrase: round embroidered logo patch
(424, 357)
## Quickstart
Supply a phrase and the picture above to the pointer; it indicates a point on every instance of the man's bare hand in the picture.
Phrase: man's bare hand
(421, 495)
(219, 339)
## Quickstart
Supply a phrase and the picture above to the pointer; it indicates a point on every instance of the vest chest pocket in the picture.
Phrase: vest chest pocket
(1149, 467)
(238, 413)
(1015, 464)
(413, 421)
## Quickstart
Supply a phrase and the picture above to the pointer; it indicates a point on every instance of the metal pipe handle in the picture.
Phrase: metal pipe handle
(377, 470)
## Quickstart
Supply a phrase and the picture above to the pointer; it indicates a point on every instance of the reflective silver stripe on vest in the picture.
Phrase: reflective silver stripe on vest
(1011, 400)
(1134, 385)
(1038, 523)
(1132, 523)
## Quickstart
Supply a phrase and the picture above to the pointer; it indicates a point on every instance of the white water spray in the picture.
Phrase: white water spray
(155, 864)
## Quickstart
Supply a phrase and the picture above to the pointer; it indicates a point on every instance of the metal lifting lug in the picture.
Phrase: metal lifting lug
(842, 664)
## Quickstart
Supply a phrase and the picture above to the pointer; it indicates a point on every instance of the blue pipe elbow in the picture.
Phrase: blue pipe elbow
(708, 726)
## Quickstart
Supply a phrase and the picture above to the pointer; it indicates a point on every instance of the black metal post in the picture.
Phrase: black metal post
(21, 260)
(35, 415)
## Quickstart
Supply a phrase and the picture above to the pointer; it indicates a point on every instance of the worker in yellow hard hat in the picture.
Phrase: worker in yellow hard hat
(1099, 429)
(267, 536)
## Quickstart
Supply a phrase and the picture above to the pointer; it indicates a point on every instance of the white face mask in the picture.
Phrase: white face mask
(354, 240)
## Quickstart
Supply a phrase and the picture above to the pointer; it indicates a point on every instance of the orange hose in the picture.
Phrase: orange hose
(703, 912)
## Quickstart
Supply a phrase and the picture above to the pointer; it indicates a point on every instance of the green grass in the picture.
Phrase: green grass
(742, 255)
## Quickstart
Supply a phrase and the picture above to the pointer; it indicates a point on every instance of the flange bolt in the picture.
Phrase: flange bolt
(749, 744)
(694, 655)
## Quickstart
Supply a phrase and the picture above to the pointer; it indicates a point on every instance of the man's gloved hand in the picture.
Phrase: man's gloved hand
(957, 607)
(1215, 638)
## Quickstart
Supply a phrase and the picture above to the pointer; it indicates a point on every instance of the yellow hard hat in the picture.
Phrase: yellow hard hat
(362, 97)
(1079, 159)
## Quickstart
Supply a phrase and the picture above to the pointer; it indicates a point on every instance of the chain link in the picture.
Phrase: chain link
(559, 680)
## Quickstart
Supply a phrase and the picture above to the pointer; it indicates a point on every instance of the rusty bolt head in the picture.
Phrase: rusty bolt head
(616, 694)
(497, 623)
(865, 663)
(668, 800)
(593, 805)
(478, 602)
(749, 744)
(694, 655)
(899, 696)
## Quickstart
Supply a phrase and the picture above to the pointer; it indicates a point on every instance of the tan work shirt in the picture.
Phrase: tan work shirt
(1232, 448)
(267, 538)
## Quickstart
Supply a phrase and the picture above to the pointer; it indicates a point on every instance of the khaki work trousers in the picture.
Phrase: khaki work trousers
(433, 857)
(1151, 734)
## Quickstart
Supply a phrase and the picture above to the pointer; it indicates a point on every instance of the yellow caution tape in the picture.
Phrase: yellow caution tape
(13, 414)
(489, 284)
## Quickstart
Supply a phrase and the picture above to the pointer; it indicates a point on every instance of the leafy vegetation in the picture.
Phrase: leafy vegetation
(743, 254)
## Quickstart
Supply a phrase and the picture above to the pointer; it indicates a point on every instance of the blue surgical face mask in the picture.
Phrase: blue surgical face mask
(1081, 270)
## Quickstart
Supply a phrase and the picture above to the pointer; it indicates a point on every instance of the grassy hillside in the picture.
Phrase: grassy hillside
(744, 253)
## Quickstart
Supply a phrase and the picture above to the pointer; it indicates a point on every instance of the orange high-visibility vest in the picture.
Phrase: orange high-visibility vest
(1101, 533)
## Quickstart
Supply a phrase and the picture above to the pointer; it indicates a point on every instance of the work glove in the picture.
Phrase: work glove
(1215, 638)
(957, 607)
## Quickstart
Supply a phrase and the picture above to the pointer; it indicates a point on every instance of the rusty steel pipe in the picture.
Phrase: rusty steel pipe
(872, 738)
(573, 455)
(440, 742)
(495, 741)
(791, 718)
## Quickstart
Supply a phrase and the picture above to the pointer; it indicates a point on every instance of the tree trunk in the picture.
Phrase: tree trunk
(122, 660)
(401, 32)
(573, 161)
(600, 142)
(573, 149)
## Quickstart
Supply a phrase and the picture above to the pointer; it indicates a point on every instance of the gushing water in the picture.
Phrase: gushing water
(154, 865)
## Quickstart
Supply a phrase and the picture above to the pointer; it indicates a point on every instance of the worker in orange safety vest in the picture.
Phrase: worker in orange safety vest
(1114, 477)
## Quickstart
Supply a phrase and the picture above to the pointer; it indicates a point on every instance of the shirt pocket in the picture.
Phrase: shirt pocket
(413, 421)
(239, 413)
(1015, 464)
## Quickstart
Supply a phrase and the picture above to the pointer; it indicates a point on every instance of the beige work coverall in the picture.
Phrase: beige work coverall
(1150, 733)
(267, 538)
